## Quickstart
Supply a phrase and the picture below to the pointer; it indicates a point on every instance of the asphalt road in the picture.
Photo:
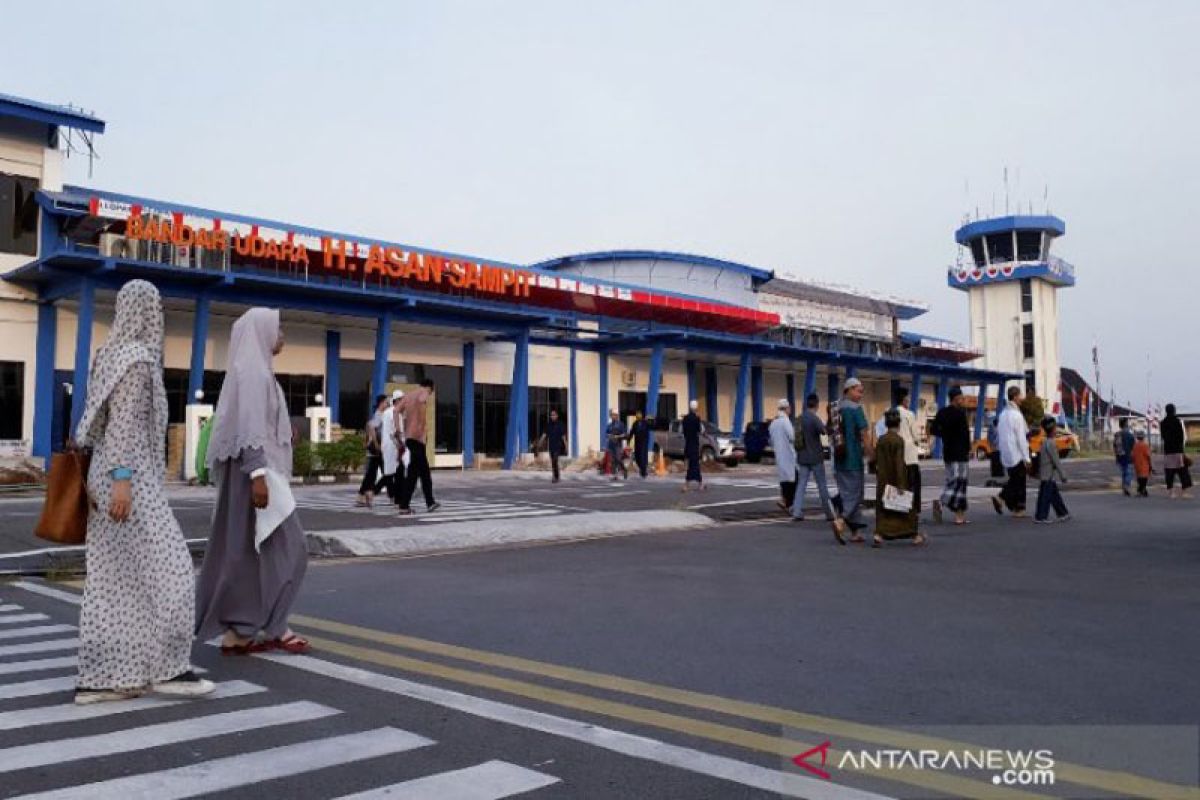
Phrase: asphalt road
(644, 653)
(745, 492)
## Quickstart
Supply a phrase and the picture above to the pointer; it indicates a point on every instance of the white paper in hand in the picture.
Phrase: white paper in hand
(280, 505)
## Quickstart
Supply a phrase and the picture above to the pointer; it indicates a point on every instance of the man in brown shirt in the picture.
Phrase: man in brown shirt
(413, 408)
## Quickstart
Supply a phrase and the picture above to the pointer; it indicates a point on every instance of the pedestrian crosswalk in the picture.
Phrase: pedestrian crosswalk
(53, 735)
(448, 511)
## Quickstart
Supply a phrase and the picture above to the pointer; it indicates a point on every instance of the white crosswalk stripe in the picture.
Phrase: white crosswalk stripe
(449, 511)
(36, 630)
(491, 781)
(242, 770)
(9, 691)
(147, 736)
(69, 712)
(11, 668)
(207, 719)
(9, 607)
(13, 619)
(39, 647)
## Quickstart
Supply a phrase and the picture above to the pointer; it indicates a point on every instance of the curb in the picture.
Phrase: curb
(489, 534)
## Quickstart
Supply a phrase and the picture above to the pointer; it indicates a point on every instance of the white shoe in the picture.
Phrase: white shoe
(86, 697)
(185, 685)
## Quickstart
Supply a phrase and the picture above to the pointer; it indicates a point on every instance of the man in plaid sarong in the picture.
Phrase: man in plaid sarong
(952, 426)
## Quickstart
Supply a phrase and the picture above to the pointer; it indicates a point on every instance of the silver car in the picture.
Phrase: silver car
(715, 445)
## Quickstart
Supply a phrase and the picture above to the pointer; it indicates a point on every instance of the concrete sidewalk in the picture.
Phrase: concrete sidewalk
(484, 533)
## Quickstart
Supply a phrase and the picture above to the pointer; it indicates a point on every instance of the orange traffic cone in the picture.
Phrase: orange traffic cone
(660, 466)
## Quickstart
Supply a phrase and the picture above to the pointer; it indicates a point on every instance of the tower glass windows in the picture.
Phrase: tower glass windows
(1027, 339)
(1000, 247)
(1029, 245)
(977, 252)
(1026, 294)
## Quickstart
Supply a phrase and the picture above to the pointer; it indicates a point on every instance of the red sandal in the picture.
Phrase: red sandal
(296, 645)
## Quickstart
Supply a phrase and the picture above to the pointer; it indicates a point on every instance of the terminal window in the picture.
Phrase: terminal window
(18, 214)
(1026, 294)
(1027, 339)
(12, 399)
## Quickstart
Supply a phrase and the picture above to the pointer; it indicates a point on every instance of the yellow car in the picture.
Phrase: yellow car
(1065, 440)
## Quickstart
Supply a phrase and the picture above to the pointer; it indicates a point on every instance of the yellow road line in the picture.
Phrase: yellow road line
(1124, 784)
(726, 734)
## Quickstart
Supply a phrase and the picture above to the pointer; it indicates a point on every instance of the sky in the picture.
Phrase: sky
(842, 142)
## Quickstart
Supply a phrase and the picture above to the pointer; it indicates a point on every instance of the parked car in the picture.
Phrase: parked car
(1064, 439)
(715, 445)
(757, 440)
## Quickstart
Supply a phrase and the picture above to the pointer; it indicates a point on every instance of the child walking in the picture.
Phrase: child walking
(1142, 466)
(1050, 466)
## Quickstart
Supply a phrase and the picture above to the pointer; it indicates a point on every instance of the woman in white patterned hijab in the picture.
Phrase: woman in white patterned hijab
(135, 625)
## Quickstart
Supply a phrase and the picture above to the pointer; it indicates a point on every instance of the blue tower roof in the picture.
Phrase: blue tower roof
(1051, 225)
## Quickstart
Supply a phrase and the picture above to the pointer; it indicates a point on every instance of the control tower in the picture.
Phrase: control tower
(1012, 281)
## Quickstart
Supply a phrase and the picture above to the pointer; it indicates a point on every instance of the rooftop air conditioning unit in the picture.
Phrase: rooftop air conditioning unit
(112, 245)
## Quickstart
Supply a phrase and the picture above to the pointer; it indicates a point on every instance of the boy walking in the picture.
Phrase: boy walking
(1142, 466)
(1049, 466)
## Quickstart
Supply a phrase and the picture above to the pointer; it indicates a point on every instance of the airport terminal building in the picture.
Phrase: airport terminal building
(504, 342)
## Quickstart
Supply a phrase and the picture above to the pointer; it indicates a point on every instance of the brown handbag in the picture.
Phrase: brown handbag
(65, 513)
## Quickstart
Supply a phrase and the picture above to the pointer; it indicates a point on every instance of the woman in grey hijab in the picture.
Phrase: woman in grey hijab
(135, 623)
(256, 556)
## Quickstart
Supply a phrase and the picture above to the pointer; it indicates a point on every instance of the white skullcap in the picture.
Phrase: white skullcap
(783, 403)
(694, 404)
(396, 395)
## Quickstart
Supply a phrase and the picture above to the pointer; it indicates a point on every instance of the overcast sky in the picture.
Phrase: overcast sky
(843, 142)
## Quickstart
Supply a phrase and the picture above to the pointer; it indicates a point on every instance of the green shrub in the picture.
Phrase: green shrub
(302, 460)
(1033, 408)
(341, 457)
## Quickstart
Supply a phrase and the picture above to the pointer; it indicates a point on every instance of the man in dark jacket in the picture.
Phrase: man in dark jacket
(1174, 437)
(810, 460)
(691, 446)
(639, 432)
(1123, 453)
(556, 441)
(954, 429)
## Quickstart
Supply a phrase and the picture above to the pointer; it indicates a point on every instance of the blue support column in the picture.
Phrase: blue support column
(791, 390)
(333, 375)
(199, 344)
(832, 386)
(573, 419)
(44, 388)
(83, 350)
(810, 378)
(522, 390)
(1001, 397)
(756, 393)
(743, 389)
(980, 409)
(942, 400)
(852, 371)
(516, 436)
(603, 397)
(711, 396)
(691, 381)
(383, 346)
(656, 369)
(468, 405)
